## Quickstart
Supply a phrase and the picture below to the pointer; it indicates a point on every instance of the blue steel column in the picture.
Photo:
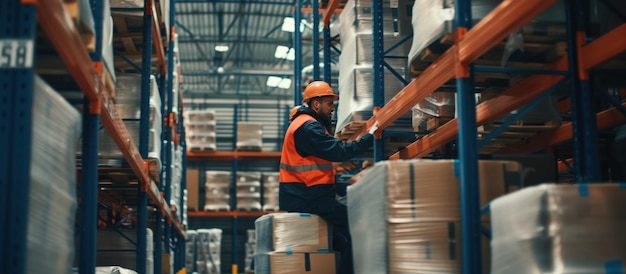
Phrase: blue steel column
(378, 70)
(316, 40)
(585, 136)
(468, 155)
(142, 202)
(297, 62)
(327, 41)
(16, 92)
(233, 188)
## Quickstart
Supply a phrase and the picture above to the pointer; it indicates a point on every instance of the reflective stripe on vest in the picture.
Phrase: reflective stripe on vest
(294, 168)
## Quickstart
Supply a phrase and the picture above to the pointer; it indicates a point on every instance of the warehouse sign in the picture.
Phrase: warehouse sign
(16, 53)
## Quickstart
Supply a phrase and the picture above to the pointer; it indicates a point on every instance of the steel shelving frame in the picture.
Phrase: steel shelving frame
(17, 90)
(470, 43)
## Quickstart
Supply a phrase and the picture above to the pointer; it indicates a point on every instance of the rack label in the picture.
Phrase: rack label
(16, 53)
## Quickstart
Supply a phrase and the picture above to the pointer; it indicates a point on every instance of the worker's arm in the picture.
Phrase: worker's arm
(311, 139)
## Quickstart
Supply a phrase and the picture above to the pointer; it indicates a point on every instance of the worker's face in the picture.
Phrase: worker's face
(326, 106)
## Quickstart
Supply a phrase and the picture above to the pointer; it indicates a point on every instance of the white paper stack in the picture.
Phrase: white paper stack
(52, 187)
(249, 136)
(217, 190)
(248, 190)
(190, 250)
(200, 129)
(208, 251)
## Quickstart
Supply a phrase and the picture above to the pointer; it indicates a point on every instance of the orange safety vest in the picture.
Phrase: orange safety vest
(309, 170)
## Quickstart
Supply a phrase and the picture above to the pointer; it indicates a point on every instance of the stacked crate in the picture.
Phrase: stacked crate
(249, 136)
(250, 250)
(270, 191)
(435, 110)
(217, 190)
(356, 96)
(128, 105)
(200, 130)
(408, 212)
(208, 251)
(248, 190)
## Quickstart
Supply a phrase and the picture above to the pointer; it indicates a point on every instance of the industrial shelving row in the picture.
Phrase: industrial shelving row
(19, 39)
(456, 63)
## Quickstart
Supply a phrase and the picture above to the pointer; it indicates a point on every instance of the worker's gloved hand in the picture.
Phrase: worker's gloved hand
(373, 128)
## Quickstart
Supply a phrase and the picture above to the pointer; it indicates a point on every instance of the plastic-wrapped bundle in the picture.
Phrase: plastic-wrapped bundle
(52, 195)
(128, 94)
(415, 199)
(190, 250)
(357, 15)
(201, 141)
(301, 232)
(113, 270)
(208, 251)
(249, 136)
(438, 104)
(199, 116)
(358, 49)
(149, 252)
(270, 190)
(560, 229)
(217, 190)
(108, 148)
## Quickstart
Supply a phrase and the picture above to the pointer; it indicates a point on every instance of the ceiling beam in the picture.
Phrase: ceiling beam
(243, 72)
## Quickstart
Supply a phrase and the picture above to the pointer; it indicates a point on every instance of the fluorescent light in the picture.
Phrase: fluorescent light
(289, 24)
(285, 83)
(291, 55)
(273, 81)
(283, 52)
(221, 48)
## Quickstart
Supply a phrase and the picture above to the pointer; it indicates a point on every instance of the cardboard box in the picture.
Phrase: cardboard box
(300, 263)
(429, 247)
(291, 232)
(193, 189)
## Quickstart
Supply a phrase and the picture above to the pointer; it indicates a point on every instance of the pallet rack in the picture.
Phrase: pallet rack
(470, 43)
(87, 71)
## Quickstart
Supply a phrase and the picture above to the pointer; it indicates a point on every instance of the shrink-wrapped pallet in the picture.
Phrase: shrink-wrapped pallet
(560, 229)
(217, 190)
(404, 215)
(52, 188)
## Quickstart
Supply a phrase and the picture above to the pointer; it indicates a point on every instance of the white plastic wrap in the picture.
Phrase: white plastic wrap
(270, 191)
(52, 194)
(217, 196)
(560, 229)
(291, 232)
(113, 270)
(396, 206)
(190, 250)
(249, 135)
(208, 251)
(249, 190)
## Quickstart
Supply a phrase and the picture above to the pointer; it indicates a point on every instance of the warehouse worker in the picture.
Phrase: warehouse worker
(307, 175)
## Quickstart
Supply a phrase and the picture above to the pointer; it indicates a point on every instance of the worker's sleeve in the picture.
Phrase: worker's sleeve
(311, 139)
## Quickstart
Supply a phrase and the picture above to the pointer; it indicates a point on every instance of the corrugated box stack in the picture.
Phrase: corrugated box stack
(128, 105)
(292, 243)
(250, 250)
(217, 190)
(270, 191)
(405, 215)
(560, 229)
(200, 130)
(193, 189)
(249, 136)
(356, 61)
(208, 251)
(248, 190)
(52, 194)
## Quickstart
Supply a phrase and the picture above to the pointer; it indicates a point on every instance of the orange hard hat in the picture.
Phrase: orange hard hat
(292, 112)
(318, 89)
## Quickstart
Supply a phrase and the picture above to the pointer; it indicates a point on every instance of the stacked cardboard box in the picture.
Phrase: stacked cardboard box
(200, 129)
(293, 243)
(270, 191)
(404, 215)
(249, 136)
(248, 190)
(560, 229)
(217, 190)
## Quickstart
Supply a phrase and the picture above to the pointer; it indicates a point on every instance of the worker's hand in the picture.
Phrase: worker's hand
(373, 128)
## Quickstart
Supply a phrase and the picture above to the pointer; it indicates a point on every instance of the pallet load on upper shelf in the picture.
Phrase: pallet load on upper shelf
(250, 251)
(356, 60)
(293, 243)
(52, 189)
(175, 183)
(405, 215)
(436, 109)
(248, 186)
(200, 131)
(164, 6)
(208, 244)
(249, 136)
(560, 229)
(123, 239)
(217, 190)
(270, 191)
(128, 105)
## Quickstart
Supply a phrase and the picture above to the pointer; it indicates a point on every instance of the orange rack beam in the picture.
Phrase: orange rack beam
(504, 19)
(53, 19)
(230, 155)
(520, 94)
(330, 9)
(157, 41)
(235, 213)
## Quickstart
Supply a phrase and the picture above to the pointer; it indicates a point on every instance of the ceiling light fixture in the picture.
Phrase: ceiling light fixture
(221, 48)
(289, 24)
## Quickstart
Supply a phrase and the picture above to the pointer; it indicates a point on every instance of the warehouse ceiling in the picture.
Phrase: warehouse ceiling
(251, 30)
